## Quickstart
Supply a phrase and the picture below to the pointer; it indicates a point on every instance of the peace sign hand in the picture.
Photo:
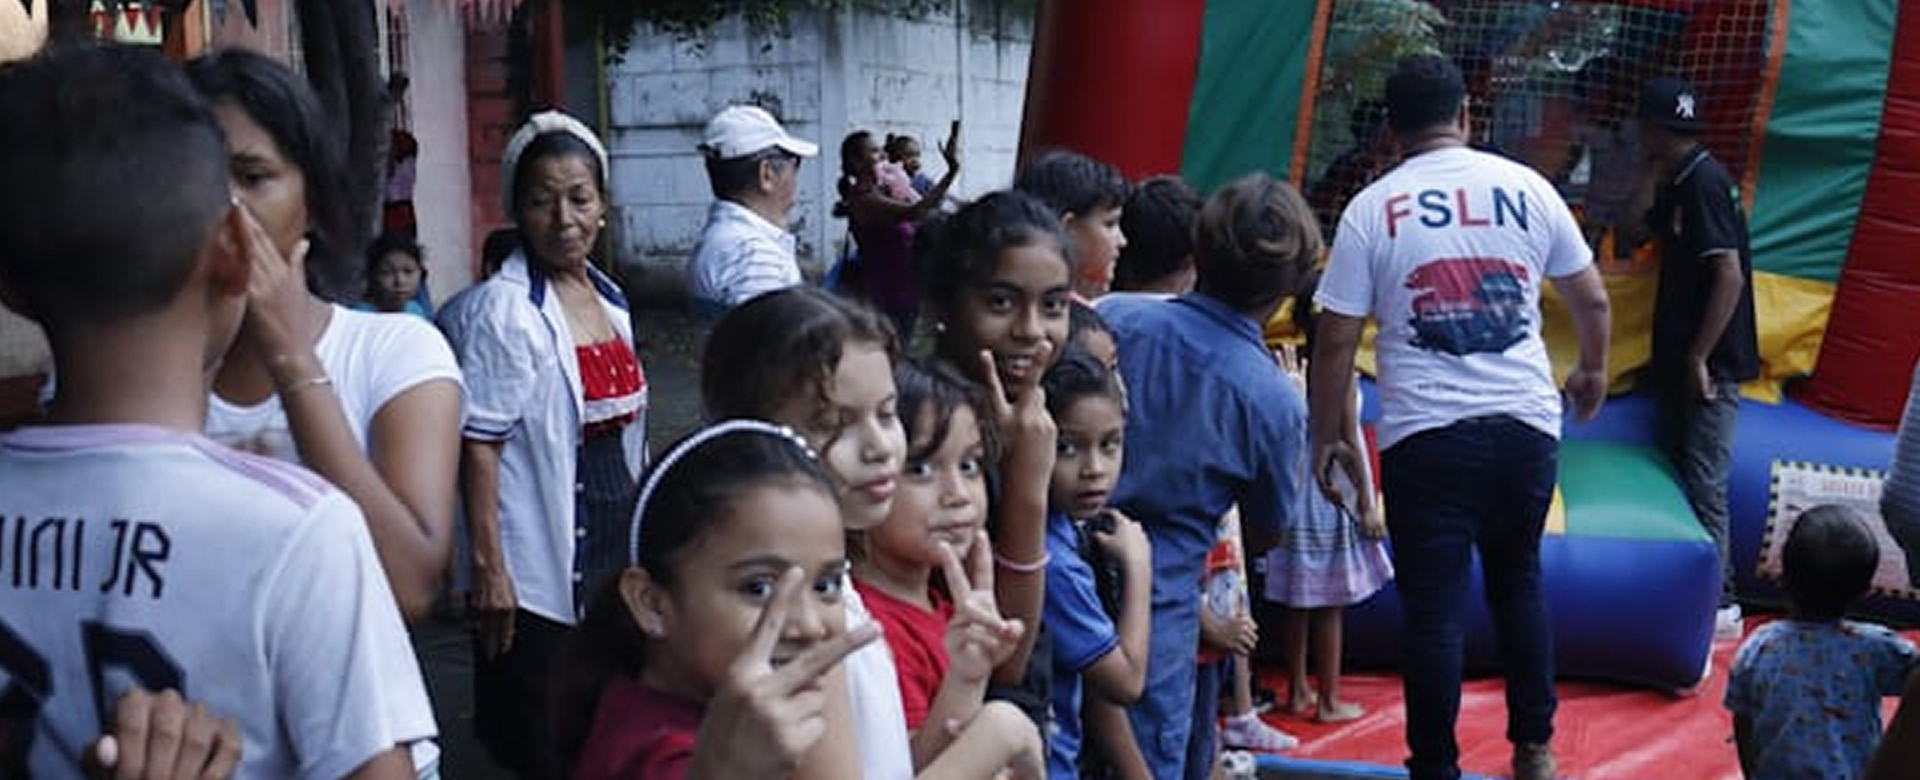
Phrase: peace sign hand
(764, 719)
(978, 639)
(1021, 413)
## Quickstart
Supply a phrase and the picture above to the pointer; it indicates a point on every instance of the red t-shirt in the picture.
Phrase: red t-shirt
(639, 734)
(917, 639)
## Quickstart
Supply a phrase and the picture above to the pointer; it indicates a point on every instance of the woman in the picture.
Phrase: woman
(882, 208)
(555, 431)
(369, 401)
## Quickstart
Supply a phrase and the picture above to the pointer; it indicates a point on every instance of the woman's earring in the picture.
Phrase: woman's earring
(603, 223)
(650, 626)
(940, 326)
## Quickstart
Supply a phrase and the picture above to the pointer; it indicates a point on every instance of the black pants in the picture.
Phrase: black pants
(512, 709)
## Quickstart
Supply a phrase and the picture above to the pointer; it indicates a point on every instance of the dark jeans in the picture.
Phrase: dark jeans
(1698, 439)
(1484, 484)
(512, 712)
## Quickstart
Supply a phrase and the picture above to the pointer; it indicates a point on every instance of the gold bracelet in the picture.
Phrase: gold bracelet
(318, 381)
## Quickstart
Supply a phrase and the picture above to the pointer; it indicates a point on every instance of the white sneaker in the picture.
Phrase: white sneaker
(1727, 625)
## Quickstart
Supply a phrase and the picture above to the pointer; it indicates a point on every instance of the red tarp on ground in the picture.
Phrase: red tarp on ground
(1602, 731)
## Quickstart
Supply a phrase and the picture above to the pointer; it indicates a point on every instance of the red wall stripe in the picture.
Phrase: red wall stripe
(1113, 79)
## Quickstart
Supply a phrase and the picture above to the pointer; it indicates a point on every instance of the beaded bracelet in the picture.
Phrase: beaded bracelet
(1024, 568)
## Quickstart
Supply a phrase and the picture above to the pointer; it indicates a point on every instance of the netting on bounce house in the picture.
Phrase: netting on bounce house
(1814, 106)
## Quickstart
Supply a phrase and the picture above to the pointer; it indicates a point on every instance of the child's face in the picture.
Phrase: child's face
(856, 432)
(1019, 314)
(1097, 237)
(942, 500)
(1092, 441)
(910, 157)
(396, 278)
(1100, 345)
(723, 582)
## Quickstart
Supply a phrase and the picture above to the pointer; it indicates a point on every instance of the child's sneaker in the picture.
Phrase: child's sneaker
(1249, 732)
(1727, 625)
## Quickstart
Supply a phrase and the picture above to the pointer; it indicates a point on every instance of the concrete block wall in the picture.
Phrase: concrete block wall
(827, 76)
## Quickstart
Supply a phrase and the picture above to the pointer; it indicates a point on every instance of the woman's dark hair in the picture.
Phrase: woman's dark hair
(850, 149)
(1158, 222)
(780, 343)
(959, 251)
(499, 245)
(554, 143)
(1828, 561)
(936, 389)
(1071, 183)
(695, 493)
(282, 103)
(1078, 375)
(1254, 241)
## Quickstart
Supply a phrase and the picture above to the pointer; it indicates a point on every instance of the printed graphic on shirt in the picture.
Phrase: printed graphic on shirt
(1469, 305)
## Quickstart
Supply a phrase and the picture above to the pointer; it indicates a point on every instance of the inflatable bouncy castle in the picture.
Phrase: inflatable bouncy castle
(1814, 105)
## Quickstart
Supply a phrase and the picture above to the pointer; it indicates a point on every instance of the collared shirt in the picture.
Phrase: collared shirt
(1196, 370)
(740, 255)
(1697, 217)
(524, 389)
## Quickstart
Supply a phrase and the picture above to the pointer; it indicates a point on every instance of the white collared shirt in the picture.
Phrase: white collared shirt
(523, 389)
(740, 255)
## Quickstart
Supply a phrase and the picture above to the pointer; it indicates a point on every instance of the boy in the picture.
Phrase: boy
(1088, 196)
(1157, 222)
(156, 559)
(1805, 691)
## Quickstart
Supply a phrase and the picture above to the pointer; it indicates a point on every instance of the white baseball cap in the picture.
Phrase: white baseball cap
(738, 131)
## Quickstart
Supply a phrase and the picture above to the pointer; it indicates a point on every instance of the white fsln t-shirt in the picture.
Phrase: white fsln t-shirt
(1448, 251)
(371, 358)
(134, 555)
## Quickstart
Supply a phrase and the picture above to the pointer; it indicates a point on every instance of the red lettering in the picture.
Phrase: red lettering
(1395, 215)
(1466, 219)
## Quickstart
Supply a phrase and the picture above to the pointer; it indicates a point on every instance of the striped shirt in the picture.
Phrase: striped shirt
(740, 255)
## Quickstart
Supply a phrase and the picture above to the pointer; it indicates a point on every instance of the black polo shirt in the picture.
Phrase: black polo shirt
(1696, 215)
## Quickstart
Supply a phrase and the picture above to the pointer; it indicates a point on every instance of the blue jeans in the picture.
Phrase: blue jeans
(1698, 438)
(1484, 484)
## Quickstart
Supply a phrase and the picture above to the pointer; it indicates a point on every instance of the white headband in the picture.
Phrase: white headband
(685, 448)
(538, 125)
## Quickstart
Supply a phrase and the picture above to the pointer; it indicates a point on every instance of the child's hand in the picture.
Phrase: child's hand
(1126, 542)
(1373, 522)
(763, 720)
(1288, 356)
(1021, 413)
(162, 736)
(978, 639)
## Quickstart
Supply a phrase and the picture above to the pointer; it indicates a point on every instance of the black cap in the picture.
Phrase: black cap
(1671, 103)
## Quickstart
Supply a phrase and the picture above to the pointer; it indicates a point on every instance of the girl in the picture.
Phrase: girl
(997, 275)
(722, 623)
(882, 209)
(824, 366)
(1109, 655)
(396, 274)
(555, 431)
(1332, 559)
(904, 150)
(937, 520)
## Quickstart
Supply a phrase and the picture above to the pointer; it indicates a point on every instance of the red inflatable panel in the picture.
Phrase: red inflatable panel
(1871, 342)
(1113, 79)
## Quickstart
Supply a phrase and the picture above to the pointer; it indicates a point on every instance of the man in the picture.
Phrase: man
(745, 249)
(1703, 334)
(1447, 252)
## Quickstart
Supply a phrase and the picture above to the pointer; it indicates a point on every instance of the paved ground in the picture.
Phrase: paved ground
(669, 350)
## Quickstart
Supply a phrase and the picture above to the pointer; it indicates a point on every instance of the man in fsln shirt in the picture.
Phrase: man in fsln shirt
(745, 249)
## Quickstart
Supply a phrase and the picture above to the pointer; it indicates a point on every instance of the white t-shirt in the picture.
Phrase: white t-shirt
(879, 717)
(371, 358)
(1447, 252)
(162, 559)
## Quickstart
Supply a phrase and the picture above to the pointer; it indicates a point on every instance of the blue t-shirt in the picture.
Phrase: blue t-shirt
(1082, 634)
(1812, 692)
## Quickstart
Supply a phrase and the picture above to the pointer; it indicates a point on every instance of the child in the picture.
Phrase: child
(823, 365)
(1086, 330)
(997, 275)
(248, 584)
(904, 150)
(1805, 691)
(1331, 559)
(396, 275)
(1087, 196)
(726, 616)
(938, 517)
(1158, 224)
(1103, 658)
